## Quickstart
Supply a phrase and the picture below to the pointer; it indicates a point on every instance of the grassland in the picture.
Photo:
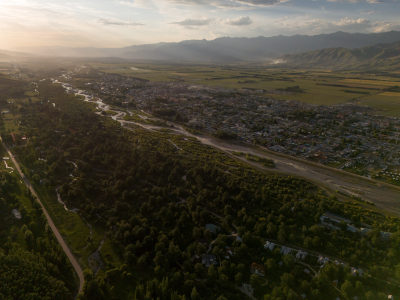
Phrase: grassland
(83, 238)
(75, 231)
(317, 87)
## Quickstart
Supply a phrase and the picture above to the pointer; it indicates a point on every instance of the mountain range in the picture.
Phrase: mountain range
(377, 57)
(11, 55)
(227, 50)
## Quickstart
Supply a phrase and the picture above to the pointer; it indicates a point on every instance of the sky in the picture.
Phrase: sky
(26, 24)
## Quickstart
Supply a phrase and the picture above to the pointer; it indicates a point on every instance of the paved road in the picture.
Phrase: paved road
(53, 227)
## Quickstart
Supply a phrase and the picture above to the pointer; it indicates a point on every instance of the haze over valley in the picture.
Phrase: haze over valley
(231, 50)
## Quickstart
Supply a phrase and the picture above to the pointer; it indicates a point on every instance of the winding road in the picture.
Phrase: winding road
(53, 227)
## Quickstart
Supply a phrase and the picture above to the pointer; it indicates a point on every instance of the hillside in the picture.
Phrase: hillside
(6, 56)
(382, 56)
(226, 49)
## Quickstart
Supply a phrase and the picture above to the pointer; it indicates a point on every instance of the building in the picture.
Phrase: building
(257, 269)
(269, 245)
(212, 228)
(286, 250)
(322, 260)
(16, 214)
(209, 259)
(301, 255)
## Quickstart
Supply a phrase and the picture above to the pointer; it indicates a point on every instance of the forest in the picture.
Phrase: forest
(32, 264)
(189, 222)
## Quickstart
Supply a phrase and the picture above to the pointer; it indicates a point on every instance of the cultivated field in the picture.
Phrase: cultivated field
(379, 91)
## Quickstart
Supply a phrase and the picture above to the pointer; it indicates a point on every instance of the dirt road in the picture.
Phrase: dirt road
(53, 227)
(384, 196)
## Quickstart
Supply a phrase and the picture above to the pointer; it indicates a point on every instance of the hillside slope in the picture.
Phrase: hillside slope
(382, 56)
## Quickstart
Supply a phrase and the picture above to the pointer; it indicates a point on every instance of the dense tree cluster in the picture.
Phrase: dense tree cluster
(156, 195)
(32, 264)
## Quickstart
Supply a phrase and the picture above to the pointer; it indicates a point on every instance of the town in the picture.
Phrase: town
(347, 136)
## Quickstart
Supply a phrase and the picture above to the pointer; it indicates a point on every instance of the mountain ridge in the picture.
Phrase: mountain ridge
(380, 56)
(232, 49)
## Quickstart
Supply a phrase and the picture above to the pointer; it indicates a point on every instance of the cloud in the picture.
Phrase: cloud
(261, 2)
(118, 23)
(193, 22)
(229, 3)
(314, 25)
(351, 22)
(363, 25)
(243, 21)
(359, 1)
(149, 4)
(31, 23)
(385, 26)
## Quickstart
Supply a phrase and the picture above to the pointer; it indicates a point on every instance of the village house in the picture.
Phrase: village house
(257, 269)
(208, 260)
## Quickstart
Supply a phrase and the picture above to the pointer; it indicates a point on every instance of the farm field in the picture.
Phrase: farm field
(380, 92)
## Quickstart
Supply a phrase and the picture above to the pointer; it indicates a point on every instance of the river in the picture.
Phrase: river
(383, 195)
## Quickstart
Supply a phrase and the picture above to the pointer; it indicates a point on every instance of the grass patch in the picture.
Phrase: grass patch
(73, 229)
(268, 163)
(386, 105)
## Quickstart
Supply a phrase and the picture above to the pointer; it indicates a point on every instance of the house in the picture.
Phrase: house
(332, 218)
(385, 235)
(212, 228)
(257, 269)
(286, 250)
(208, 260)
(364, 230)
(355, 272)
(16, 214)
(336, 262)
(301, 255)
(334, 222)
(228, 252)
(269, 245)
(247, 289)
(323, 260)
(352, 228)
